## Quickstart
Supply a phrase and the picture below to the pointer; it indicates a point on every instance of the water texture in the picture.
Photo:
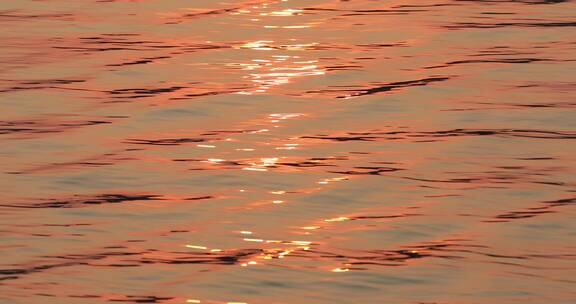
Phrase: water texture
(293, 151)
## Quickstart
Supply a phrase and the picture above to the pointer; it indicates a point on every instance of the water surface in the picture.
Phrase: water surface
(294, 151)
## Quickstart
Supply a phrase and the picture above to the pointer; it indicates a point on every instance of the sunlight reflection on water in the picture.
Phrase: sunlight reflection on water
(289, 151)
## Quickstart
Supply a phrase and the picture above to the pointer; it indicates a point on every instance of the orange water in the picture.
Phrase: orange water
(294, 151)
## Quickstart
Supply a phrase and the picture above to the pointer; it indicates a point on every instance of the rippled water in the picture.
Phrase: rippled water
(294, 151)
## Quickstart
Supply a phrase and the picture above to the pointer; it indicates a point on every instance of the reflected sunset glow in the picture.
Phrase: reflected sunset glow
(287, 151)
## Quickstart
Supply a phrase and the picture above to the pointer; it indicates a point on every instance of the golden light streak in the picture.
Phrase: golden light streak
(197, 247)
(338, 219)
(254, 240)
(340, 270)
